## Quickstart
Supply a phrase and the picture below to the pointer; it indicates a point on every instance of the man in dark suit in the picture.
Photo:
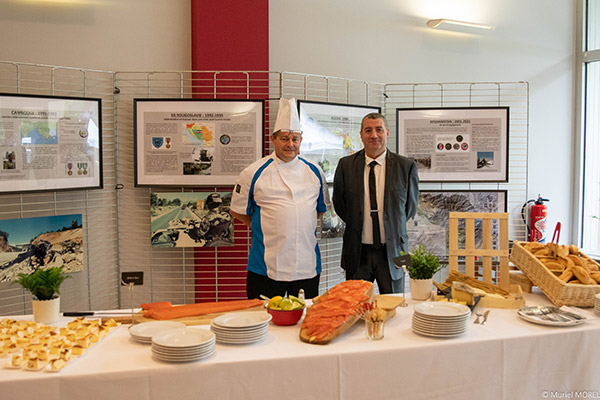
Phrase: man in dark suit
(375, 192)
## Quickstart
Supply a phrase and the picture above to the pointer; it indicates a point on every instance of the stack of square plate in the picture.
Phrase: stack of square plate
(183, 345)
(143, 332)
(440, 319)
(597, 305)
(241, 327)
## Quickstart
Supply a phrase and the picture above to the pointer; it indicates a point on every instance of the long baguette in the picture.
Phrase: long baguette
(471, 281)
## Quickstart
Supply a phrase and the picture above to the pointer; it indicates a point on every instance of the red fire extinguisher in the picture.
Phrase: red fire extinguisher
(536, 223)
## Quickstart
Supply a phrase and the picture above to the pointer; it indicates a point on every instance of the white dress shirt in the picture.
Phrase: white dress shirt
(367, 232)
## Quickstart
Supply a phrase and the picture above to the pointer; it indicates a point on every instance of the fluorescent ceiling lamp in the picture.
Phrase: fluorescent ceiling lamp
(461, 26)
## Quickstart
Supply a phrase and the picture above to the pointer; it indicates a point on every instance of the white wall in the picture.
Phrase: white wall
(109, 35)
(373, 40)
(387, 41)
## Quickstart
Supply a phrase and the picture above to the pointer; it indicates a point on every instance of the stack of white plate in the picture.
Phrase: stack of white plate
(597, 305)
(183, 344)
(143, 332)
(440, 319)
(241, 327)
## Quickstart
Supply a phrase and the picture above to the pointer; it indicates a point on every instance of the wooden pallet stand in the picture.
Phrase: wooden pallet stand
(486, 253)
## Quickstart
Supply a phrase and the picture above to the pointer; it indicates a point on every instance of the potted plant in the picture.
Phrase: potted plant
(424, 265)
(44, 285)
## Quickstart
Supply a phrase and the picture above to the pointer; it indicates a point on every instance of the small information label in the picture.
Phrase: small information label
(137, 278)
(402, 261)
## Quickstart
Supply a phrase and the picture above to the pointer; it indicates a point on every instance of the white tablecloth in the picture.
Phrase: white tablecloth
(508, 358)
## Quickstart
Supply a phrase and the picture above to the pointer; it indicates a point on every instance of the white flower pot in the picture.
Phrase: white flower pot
(46, 311)
(420, 289)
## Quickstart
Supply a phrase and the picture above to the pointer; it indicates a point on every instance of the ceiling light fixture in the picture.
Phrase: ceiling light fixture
(460, 26)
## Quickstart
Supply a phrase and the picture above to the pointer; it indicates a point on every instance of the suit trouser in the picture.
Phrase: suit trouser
(374, 266)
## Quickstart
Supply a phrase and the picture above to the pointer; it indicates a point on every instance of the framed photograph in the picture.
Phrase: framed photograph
(195, 142)
(50, 143)
(330, 131)
(430, 226)
(191, 219)
(456, 144)
(29, 243)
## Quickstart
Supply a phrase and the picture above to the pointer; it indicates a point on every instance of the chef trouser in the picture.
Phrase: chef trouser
(261, 284)
(374, 266)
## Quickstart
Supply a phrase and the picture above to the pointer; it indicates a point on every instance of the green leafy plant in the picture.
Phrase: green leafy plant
(424, 263)
(44, 284)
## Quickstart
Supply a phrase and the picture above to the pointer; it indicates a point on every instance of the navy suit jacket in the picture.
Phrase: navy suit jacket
(401, 198)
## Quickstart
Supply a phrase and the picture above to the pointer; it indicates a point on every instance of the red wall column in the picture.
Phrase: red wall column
(228, 36)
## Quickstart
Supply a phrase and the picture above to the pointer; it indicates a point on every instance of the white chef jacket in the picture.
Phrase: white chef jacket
(283, 199)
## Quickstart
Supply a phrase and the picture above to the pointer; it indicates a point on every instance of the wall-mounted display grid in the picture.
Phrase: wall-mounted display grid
(97, 286)
(117, 217)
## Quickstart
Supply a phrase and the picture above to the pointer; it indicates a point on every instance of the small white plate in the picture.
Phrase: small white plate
(9, 365)
(242, 319)
(442, 309)
(439, 335)
(146, 330)
(240, 341)
(245, 336)
(437, 329)
(168, 353)
(257, 328)
(182, 359)
(172, 349)
(183, 337)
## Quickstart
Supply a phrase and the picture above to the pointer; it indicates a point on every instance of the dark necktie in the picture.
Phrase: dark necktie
(374, 212)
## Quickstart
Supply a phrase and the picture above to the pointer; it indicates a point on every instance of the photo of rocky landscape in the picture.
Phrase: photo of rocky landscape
(430, 226)
(30, 243)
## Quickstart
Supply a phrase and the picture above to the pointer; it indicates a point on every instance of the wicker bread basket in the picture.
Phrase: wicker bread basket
(558, 292)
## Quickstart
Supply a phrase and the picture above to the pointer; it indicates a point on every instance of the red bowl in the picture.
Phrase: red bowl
(285, 317)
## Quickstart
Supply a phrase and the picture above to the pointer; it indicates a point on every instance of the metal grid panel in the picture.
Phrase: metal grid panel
(96, 287)
(512, 94)
(117, 218)
(186, 275)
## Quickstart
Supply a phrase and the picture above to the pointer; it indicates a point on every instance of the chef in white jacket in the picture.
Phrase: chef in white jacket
(280, 197)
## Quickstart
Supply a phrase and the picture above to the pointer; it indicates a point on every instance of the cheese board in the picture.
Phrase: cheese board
(389, 304)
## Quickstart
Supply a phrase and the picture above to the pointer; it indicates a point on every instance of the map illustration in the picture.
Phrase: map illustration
(199, 133)
(38, 132)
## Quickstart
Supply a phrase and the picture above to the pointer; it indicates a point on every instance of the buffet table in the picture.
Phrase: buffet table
(508, 358)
